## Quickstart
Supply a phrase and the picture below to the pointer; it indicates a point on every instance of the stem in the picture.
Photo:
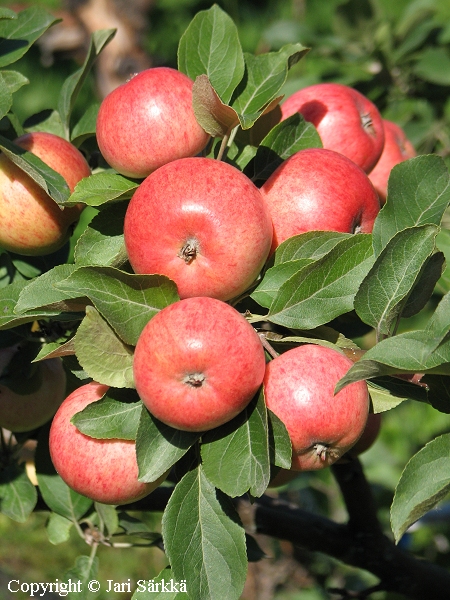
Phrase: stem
(227, 140)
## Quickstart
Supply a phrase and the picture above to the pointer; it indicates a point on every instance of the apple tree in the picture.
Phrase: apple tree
(86, 306)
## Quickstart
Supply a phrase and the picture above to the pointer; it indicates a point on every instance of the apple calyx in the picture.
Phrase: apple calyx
(189, 250)
(323, 451)
(367, 123)
(195, 380)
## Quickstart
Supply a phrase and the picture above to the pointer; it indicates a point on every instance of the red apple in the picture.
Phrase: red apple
(369, 435)
(104, 470)
(202, 223)
(31, 222)
(197, 364)
(397, 148)
(318, 189)
(345, 119)
(25, 412)
(299, 388)
(149, 121)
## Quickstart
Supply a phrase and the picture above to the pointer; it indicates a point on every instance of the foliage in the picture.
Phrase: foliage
(91, 310)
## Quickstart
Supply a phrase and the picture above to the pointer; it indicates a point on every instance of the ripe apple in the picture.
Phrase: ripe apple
(197, 364)
(397, 148)
(104, 470)
(319, 189)
(345, 119)
(31, 222)
(149, 121)
(202, 223)
(25, 412)
(299, 388)
(369, 435)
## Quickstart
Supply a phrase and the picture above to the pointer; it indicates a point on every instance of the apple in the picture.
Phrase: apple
(299, 388)
(197, 364)
(28, 411)
(346, 120)
(397, 148)
(31, 222)
(202, 223)
(369, 435)
(319, 189)
(104, 470)
(149, 121)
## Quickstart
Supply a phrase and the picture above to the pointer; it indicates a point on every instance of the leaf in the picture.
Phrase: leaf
(18, 34)
(264, 77)
(383, 293)
(159, 447)
(418, 194)
(58, 528)
(204, 539)
(386, 393)
(86, 126)
(163, 587)
(99, 188)
(102, 242)
(108, 517)
(424, 482)
(284, 140)
(7, 13)
(41, 291)
(10, 81)
(235, 456)
(213, 115)
(425, 285)
(101, 353)
(312, 244)
(18, 495)
(325, 288)
(210, 46)
(85, 570)
(274, 278)
(109, 419)
(280, 442)
(74, 82)
(48, 179)
(125, 300)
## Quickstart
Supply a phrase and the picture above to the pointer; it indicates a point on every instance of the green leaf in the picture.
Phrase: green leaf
(204, 539)
(235, 456)
(161, 588)
(418, 194)
(425, 285)
(443, 243)
(109, 419)
(10, 82)
(74, 82)
(109, 518)
(86, 126)
(102, 243)
(325, 288)
(264, 77)
(41, 291)
(433, 65)
(18, 495)
(58, 528)
(99, 188)
(424, 482)
(84, 571)
(101, 353)
(18, 34)
(284, 140)
(125, 300)
(213, 115)
(280, 442)
(7, 13)
(383, 293)
(48, 179)
(210, 46)
(388, 392)
(159, 447)
(312, 244)
(274, 278)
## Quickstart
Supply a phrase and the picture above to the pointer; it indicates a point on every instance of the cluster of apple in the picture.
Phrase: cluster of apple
(204, 224)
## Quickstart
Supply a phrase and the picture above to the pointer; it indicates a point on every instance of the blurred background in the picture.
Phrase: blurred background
(395, 52)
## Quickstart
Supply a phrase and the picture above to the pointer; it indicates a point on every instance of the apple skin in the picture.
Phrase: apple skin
(25, 412)
(202, 223)
(149, 121)
(319, 189)
(104, 470)
(197, 364)
(346, 120)
(397, 148)
(31, 222)
(299, 388)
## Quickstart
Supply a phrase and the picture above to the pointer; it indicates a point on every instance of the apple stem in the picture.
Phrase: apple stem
(227, 140)
(267, 346)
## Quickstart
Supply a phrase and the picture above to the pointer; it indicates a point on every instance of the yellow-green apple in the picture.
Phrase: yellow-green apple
(368, 436)
(319, 189)
(104, 470)
(31, 222)
(149, 121)
(201, 222)
(299, 388)
(346, 120)
(397, 148)
(25, 412)
(197, 364)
